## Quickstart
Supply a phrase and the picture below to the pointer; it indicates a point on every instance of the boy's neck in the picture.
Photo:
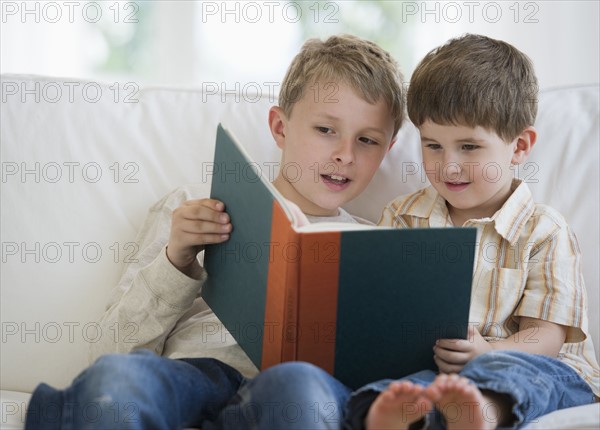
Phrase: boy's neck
(308, 207)
(459, 218)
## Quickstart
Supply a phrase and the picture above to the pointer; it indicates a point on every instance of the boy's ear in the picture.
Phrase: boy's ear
(277, 122)
(524, 144)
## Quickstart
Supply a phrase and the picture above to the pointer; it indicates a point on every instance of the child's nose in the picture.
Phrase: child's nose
(452, 171)
(452, 166)
(450, 157)
(344, 152)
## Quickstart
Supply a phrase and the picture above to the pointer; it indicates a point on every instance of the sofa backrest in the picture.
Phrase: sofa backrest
(83, 161)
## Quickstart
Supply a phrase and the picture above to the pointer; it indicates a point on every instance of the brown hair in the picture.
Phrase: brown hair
(361, 64)
(475, 81)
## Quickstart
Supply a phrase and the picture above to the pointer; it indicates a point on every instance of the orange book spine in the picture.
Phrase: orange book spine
(281, 299)
(302, 294)
(317, 298)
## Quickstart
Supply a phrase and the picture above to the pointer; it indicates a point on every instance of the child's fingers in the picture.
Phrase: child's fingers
(454, 344)
(446, 367)
(197, 223)
(209, 239)
(194, 224)
(205, 210)
(203, 227)
(210, 203)
(451, 356)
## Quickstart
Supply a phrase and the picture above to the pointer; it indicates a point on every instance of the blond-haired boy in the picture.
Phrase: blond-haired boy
(474, 101)
(341, 105)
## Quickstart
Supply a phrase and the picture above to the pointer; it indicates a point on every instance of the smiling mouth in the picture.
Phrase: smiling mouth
(336, 179)
(457, 186)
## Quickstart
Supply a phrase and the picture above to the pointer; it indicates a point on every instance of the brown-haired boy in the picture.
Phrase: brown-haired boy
(528, 351)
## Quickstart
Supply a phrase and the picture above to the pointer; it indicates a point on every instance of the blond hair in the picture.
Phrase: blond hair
(363, 65)
(475, 81)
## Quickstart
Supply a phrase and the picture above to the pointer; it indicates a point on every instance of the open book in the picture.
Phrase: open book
(362, 302)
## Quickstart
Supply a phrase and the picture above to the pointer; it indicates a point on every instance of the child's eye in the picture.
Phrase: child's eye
(368, 141)
(469, 147)
(433, 146)
(324, 130)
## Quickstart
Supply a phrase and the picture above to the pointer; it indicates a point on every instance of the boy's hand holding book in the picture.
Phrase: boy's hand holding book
(196, 223)
(451, 355)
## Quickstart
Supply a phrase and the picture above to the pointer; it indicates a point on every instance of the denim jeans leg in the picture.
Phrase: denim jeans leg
(537, 384)
(293, 395)
(139, 390)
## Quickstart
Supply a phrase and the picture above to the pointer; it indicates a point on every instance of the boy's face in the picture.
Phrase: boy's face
(333, 143)
(469, 167)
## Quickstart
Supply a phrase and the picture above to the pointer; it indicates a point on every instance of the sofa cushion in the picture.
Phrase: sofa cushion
(79, 172)
(14, 409)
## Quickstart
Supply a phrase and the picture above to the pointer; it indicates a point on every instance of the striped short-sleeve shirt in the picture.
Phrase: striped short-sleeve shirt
(528, 263)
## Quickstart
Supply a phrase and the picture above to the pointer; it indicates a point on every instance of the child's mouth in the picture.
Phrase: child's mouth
(456, 186)
(336, 182)
(336, 179)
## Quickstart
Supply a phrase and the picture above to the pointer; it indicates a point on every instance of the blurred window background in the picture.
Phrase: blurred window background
(233, 44)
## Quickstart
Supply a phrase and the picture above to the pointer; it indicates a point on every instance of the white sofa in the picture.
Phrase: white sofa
(83, 161)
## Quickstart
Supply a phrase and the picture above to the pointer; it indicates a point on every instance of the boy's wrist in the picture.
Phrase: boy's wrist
(192, 270)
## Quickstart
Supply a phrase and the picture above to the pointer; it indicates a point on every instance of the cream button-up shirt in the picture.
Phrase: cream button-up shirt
(527, 263)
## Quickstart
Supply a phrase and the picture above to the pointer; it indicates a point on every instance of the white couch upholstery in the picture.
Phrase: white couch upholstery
(83, 161)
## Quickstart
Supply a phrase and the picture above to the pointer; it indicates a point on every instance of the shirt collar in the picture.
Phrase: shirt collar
(427, 203)
(512, 217)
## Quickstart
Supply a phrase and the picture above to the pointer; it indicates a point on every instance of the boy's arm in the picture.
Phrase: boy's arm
(152, 294)
(534, 336)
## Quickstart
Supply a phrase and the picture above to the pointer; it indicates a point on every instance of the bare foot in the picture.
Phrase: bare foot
(462, 404)
(401, 404)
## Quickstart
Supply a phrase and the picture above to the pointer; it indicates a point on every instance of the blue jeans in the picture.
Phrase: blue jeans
(534, 385)
(140, 390)
(293, 395)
